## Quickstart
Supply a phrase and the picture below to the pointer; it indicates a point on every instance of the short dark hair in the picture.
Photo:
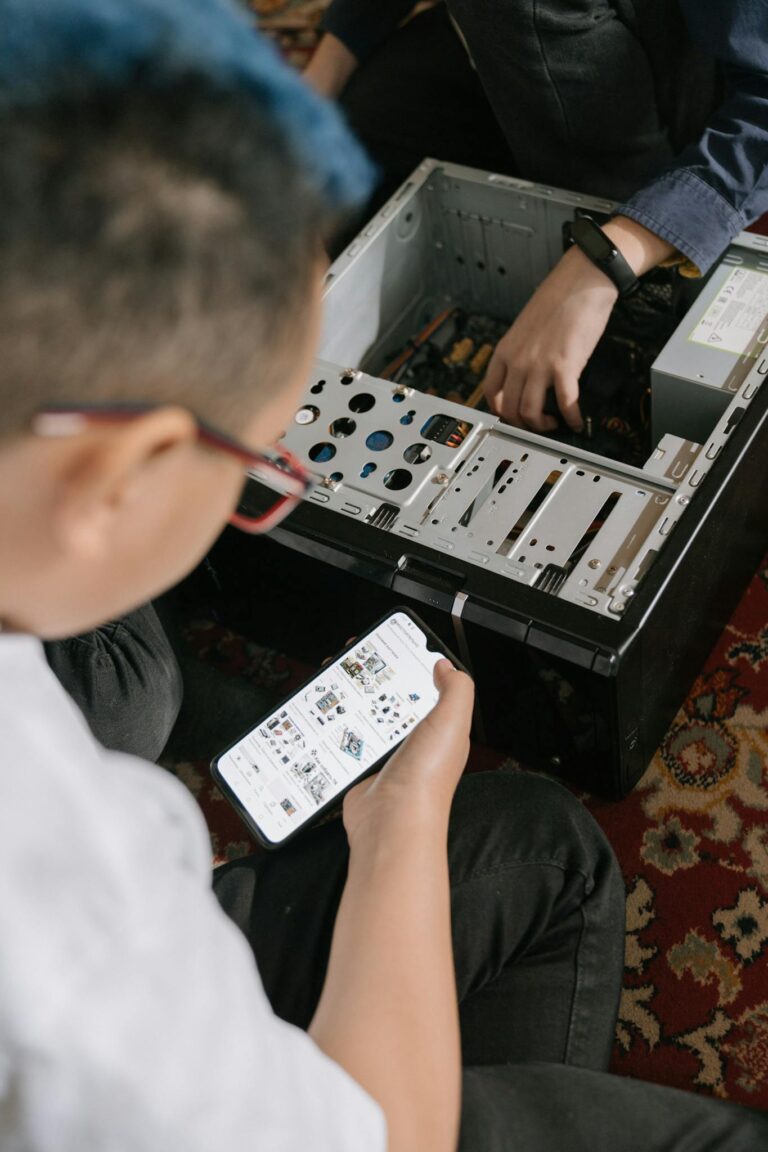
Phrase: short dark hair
(156, 244)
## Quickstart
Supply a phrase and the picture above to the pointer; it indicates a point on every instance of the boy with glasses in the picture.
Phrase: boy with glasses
(164, 185)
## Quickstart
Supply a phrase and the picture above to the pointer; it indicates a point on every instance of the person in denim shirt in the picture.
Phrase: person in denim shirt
(662, 106)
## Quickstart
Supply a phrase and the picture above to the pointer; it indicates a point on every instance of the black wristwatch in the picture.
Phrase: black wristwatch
(600, 249)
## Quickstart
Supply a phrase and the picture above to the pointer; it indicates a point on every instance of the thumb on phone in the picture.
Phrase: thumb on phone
(438, 747)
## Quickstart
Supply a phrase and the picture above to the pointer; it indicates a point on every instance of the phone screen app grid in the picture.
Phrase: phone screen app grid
(334, 729)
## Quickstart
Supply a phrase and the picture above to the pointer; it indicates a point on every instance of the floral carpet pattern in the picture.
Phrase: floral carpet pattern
(692, 841)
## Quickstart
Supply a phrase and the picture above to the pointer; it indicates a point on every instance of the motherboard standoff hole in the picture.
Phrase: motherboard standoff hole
(408, 418)
(367, 469)
(316, 389)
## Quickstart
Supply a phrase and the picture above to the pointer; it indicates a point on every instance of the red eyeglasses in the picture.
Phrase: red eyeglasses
(277, 468)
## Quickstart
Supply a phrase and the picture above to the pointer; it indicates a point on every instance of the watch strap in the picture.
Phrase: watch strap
(598, 247)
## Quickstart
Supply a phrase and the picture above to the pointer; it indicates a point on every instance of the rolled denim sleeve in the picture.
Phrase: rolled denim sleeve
(361, 25)
(718, 185)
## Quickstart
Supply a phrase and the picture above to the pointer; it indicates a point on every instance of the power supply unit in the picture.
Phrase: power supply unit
(583, 578)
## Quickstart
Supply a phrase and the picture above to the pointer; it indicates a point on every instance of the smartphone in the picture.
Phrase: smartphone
(341, 725)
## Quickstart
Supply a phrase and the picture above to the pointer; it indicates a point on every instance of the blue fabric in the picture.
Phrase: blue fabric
(51, 48)
(718, 185)
(698, 201)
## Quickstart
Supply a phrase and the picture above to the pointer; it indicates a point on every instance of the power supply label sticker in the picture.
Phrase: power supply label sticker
(736, 314)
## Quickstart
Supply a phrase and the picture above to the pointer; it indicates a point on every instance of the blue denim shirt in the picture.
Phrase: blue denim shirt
(717, 185)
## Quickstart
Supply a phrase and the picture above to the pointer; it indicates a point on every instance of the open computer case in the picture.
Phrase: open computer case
(583, 578)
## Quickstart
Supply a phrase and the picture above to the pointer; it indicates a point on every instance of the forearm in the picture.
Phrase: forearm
(641, 248)
(330, 67)
(363, 24)
(388, 1012)
(719, 183)
(557, 331)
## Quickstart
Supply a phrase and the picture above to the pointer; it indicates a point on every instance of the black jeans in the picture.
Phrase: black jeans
(143, 691)
(419, 96)
(595, 96)
(125, 679)
(538, 919)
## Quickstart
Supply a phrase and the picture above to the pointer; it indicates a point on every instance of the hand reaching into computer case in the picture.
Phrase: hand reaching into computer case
(552, 339)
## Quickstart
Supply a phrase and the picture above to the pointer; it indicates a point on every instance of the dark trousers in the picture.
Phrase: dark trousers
(418, 96)
(538, 919)
(592, 96)
(142, 691)
(125, 679)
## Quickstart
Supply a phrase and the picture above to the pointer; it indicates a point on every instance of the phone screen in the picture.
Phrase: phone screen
(334, 729)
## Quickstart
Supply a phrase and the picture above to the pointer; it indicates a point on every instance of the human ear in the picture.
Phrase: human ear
(107, 467)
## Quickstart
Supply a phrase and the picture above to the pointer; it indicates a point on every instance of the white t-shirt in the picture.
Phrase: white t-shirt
(131, 1012)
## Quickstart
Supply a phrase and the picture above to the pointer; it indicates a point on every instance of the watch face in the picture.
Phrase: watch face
(592, 241)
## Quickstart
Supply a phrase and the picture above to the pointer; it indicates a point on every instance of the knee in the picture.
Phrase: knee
(536, 817)
(126, 680)
(145, 672)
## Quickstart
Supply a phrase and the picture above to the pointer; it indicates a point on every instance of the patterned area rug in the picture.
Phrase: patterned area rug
(692, 840)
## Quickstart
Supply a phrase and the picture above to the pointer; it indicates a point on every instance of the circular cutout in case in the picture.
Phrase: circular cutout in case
(321, 453)
(363, 402)
(307, 415)
(378, 441)
(417, 453)
(398, 479)
(342, 427)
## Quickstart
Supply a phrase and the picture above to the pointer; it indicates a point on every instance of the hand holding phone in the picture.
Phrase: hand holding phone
(422, 775)
(343, 724)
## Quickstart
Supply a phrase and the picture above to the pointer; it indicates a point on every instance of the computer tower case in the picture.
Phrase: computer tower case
(584, 589)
